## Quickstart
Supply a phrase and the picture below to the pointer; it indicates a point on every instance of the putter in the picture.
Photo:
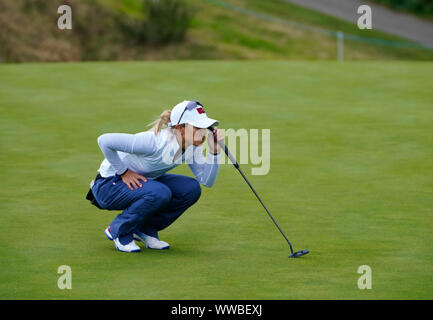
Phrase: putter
(235, 163)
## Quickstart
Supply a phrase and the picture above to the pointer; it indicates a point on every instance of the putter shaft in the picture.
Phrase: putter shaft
(235, 163)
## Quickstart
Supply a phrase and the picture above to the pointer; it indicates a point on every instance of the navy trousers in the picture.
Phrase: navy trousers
(150, 208)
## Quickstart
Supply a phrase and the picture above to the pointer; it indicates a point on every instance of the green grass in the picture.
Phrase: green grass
(350, 179)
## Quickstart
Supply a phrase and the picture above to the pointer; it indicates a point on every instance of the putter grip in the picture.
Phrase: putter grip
(226, 150)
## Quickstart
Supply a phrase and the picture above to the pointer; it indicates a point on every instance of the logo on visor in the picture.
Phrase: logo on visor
(200, 110)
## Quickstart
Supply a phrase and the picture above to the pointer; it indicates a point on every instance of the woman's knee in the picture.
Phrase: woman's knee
(162, 195)
(193, 189)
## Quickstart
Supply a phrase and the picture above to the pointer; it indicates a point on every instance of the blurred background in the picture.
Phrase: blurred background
(214, 29)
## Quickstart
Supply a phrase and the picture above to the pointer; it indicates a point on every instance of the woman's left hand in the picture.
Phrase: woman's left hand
(212, 140)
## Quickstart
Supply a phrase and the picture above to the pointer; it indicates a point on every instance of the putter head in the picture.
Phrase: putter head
(299, 254)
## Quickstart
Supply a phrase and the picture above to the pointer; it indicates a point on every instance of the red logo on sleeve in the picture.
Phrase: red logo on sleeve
(200, 110)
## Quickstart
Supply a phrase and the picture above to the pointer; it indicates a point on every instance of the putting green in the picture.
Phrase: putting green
(350, 179)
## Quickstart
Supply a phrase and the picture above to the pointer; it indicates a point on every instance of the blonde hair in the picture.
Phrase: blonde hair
(161, 122)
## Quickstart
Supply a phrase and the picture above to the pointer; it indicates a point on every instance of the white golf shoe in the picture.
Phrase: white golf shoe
(130, 247)
(151, 242)
(107, 233)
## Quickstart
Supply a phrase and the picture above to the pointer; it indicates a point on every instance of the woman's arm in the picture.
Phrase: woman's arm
(140, 143)
(205, 170)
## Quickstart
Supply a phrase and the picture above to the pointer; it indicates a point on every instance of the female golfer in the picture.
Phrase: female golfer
(133, 175)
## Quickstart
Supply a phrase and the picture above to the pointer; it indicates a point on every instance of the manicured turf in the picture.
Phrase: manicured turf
(350, 179)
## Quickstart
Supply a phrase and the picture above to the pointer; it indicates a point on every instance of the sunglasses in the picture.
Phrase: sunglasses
(190, 106)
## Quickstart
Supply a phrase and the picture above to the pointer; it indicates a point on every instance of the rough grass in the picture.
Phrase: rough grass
(223, 26)
(350, 179)
(214, 33)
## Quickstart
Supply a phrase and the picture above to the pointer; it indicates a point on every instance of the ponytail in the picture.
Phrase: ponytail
(162, 121)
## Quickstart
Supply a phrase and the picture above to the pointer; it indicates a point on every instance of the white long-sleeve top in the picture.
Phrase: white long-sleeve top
(153, 155)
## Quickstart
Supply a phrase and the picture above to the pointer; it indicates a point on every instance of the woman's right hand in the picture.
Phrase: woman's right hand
(131, 179)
